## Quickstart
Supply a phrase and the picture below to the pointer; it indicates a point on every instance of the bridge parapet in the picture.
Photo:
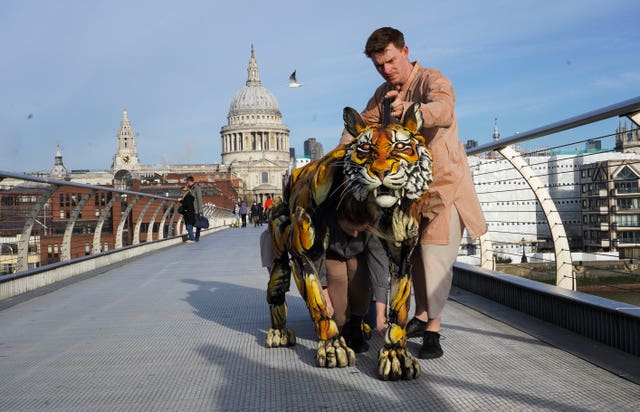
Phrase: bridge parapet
(49, 224)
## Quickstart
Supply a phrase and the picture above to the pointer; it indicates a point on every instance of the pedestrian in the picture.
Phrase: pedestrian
(243, 212)
(260, 214)
(188, 213)
(451, 204)
(267, 203)
(255, 213)
(195, 191)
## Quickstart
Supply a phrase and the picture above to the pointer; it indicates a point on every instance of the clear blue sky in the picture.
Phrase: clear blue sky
(176, 65)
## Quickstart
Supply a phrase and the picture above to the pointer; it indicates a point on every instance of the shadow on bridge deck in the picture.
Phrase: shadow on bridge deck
(183, 329)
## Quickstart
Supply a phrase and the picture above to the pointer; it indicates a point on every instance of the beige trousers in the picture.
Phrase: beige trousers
(348, 287)
(432, 270)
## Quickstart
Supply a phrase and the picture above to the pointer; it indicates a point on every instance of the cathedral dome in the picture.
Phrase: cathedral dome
(253, 98)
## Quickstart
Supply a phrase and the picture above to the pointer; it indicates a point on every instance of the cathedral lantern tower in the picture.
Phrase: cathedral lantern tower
(255, 142)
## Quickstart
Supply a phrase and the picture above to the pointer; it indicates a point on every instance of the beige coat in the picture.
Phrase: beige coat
(452, 183)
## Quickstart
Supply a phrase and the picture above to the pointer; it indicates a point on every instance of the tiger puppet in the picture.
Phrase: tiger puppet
(388, 164)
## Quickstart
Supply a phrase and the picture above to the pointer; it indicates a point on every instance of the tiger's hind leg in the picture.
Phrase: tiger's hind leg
(279, 281)
(278, 335)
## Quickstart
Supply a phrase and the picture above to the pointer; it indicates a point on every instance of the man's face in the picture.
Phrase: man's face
(393, 64)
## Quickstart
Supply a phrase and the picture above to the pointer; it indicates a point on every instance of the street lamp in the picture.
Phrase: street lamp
(524, 257)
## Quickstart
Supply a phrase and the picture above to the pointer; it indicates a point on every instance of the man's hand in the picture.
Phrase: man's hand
(397, 106)
(327, 300)
(381, 318)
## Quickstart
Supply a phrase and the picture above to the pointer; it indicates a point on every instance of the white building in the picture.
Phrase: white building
(512, 211)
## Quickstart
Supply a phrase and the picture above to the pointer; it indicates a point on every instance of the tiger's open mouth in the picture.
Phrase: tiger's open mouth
(386, 197)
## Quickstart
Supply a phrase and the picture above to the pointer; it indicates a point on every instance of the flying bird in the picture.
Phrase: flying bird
(292, 80)
(30, 116)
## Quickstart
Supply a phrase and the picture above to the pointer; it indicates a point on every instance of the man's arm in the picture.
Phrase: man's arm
(433, 91)
(199, 199)
(437, 102)
(378, 264)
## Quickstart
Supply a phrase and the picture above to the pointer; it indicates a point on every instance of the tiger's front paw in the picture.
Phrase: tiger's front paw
(280, 337)
(397, 363)
(394, 362)
(334, 352)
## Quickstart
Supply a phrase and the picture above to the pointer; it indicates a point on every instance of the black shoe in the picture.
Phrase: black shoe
(431, 348)
(354, 336)
(416, 328)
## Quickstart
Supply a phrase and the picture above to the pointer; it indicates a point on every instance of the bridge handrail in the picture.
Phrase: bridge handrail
(30, 248)
(542, 192)
(629, 107)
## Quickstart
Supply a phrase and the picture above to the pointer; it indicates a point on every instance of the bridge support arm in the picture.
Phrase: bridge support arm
(564, 267)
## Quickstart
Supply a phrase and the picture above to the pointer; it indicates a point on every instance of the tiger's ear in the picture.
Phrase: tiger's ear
(353, 121)
(413, 118)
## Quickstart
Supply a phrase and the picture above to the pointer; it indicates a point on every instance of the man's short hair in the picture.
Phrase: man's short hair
(380, 39)
(190, 179)
(359, 213)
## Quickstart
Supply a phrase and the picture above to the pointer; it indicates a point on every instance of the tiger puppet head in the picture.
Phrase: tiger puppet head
(391, 166)
(385, 164)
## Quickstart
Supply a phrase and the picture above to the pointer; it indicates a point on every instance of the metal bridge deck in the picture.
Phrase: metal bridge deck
(183, 329)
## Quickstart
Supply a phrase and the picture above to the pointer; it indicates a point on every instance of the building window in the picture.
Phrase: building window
(626, 181)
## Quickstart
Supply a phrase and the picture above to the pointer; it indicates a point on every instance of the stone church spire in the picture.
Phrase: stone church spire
(126, 156)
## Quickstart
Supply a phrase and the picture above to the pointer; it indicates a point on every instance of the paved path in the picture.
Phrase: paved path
(183, 330)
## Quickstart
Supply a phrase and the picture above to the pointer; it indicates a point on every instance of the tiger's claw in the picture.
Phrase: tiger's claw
(280, 338)
(334, 352)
